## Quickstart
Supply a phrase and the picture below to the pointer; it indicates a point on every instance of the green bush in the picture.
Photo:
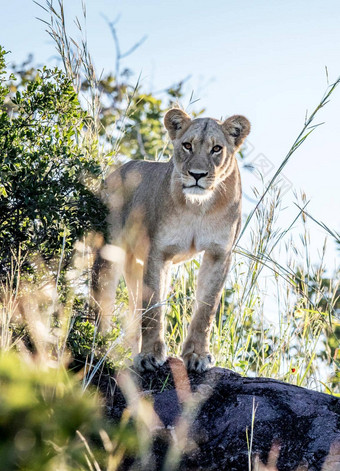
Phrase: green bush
(88, 345)
(41, 412)
(46, 201)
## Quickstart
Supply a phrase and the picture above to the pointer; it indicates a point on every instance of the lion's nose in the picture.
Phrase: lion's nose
(197, 176)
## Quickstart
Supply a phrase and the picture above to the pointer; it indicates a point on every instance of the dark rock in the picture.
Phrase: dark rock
(223, 414)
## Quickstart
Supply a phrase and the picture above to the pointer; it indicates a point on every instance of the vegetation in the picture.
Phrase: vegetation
(46, 200)
(60, 133)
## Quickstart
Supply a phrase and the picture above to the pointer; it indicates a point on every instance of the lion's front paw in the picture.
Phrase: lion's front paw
(198, 362)
(150, 361)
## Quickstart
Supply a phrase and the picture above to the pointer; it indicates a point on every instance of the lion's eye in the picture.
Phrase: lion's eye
(216, 148)
(187, 145)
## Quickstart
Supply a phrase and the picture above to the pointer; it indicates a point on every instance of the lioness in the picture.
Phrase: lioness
(163, 213)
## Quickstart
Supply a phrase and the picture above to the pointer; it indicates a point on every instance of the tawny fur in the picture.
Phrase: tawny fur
(165, 213)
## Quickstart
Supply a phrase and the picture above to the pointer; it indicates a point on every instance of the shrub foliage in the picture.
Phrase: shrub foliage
(45, 199)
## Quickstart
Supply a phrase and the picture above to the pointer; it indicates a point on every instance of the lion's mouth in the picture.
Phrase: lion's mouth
(193, 186)
(196, 194)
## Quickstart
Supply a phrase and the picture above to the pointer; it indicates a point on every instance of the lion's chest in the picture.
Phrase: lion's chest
(185, 235)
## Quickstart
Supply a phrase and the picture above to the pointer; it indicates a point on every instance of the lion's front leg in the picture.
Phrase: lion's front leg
(153, 351)
(211, 277)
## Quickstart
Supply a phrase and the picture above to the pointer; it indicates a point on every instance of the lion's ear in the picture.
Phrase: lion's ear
(236, 128)
(175, 120)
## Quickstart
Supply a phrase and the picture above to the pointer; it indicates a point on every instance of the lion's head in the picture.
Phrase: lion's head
(204, 150)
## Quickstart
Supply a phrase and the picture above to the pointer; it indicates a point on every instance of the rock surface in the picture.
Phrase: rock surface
(218, 419)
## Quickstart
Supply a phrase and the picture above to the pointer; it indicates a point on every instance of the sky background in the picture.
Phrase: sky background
(264, 59)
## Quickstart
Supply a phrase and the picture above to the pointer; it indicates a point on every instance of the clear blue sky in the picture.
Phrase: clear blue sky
(265, 59)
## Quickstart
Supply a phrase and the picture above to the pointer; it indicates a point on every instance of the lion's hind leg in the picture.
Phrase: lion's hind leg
(133, 274)
(153, 349)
